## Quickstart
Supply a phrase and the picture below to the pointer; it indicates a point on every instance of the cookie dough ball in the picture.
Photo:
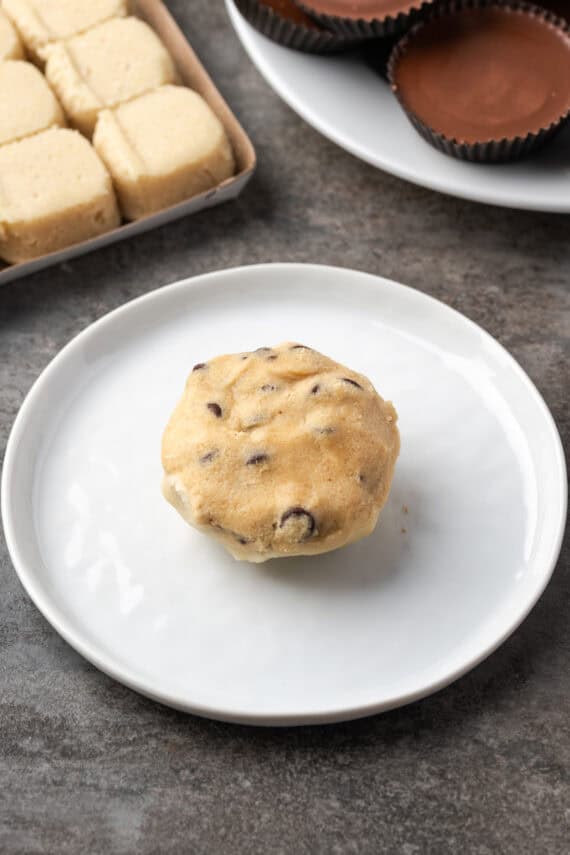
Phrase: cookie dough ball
(279, 452)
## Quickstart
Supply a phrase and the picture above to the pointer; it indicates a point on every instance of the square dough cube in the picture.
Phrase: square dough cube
(162, 148)
(10, 45)
(28, 104)
(54, 192)
(40, 22)
(111, 63)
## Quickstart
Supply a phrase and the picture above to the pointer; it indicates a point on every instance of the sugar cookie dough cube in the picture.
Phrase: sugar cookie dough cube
(161, 148)
(110, 64)
(28, 104)
(54, 192)
(40, 22)
(10, 45)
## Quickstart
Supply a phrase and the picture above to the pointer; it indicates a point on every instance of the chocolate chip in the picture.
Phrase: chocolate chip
(254, 421)
(215, 409)
(273, 356)
(362, 478)
(262, 350)
(256, 458)
(239, 537)
(315, 390)
(199, 366)
(268, 387)
(352, 382)
(298, 513)
(207, 458)
(299, 347)
(245, 356)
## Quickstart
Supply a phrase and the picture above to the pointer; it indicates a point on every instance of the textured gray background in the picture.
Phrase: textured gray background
(483, 766)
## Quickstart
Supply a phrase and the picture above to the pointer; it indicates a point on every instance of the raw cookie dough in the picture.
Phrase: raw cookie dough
(41, 22)
(161, 148)
(106, 66)
(279, 452)
(10, 45)
(28, 104)
(54, 191)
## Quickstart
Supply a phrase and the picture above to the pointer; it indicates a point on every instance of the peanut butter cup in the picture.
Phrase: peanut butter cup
(365, 19)
(286, 23)
(485, 82)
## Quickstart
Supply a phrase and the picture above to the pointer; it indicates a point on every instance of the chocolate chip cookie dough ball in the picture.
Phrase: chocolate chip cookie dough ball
(279, 452)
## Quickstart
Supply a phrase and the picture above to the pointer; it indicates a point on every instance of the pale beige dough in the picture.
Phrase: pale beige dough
(279, 452)
(41, 22)
(54, 192)
(108, 65)
(161, 148)
(28, 104)
(10, 45)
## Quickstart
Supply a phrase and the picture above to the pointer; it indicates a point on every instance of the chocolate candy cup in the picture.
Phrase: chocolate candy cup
(285, 23)
(485, 81)
(366, 19)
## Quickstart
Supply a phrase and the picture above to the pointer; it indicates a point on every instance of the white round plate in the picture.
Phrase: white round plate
(348, 102)
(465, 545)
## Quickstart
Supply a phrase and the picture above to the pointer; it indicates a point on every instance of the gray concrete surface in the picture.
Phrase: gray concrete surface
(87, 766)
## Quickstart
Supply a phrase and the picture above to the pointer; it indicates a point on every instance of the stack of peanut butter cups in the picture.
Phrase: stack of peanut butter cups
(480, 80)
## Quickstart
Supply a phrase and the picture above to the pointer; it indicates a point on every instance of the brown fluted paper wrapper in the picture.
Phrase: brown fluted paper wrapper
(290, 33)
(370, 28)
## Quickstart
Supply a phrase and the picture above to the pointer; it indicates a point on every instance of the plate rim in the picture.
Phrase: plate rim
(90, 651)
(323, 128)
